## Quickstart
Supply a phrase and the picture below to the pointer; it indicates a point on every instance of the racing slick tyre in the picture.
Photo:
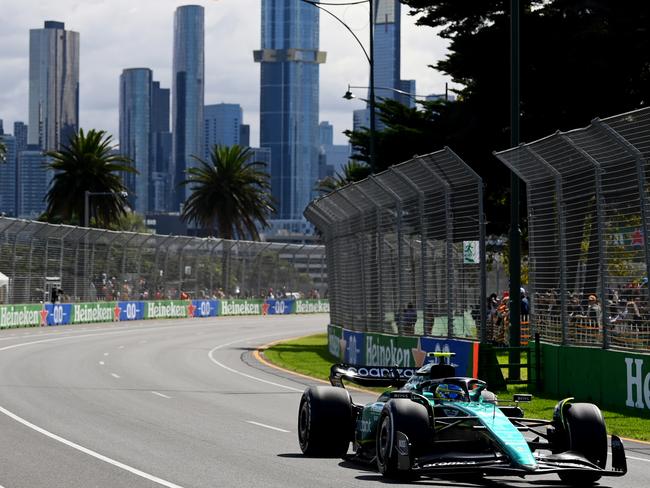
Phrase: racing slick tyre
(407, 417)
(586, 435)
(325, 424)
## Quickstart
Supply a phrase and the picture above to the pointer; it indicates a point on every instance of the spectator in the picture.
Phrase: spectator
(593, 309)
(409, 318)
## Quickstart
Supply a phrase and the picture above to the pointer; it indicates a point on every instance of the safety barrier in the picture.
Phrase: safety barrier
(34, 315)
(376, 349)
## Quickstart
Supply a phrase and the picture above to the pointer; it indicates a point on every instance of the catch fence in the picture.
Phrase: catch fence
(588, 209)
(405, 249)
(94, 264)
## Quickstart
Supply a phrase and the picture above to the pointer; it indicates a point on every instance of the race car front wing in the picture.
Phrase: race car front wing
(498, 464)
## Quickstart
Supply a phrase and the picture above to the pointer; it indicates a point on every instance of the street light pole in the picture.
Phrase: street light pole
(373, 160)
(371, 60)
(515, 255)
(86, 208)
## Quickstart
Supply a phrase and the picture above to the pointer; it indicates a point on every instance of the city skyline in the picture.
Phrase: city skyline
(232, 33)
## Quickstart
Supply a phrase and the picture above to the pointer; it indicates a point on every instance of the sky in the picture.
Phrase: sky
(119, 34)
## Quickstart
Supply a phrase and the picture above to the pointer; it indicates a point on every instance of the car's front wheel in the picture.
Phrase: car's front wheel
(325, 421)
(585, 433)
(408, 417)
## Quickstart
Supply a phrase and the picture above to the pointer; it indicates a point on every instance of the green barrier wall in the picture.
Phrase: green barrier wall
(614, 380)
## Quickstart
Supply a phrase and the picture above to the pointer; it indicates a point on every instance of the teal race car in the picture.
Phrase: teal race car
(438, 424)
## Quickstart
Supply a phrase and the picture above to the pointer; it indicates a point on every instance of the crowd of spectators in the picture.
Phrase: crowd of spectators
(626, 310)
(109, 288)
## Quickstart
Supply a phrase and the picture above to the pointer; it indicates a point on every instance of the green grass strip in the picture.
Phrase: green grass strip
(310, 356)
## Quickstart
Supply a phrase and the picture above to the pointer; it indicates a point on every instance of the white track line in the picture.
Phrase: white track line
(115, 375)
(160, 395)
(105, 354)
(268, 426)
(95, 454)
(227, 368)
(90, 452)
(102, 363)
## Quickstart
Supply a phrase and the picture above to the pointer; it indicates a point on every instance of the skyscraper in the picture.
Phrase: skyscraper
(135, 130)
(387, 45)
(20, 133)
(187, 94)
(8, 176)
(53, 85)
(387, 60)
(222, 126)
(290, 60)
(161, 150)
(32, 182)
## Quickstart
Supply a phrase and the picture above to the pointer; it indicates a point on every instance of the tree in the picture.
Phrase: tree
(580, 59)
(87, 163)
(352, 171)
(229, 193)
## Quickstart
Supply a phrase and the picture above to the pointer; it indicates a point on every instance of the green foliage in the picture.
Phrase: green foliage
(131, 222)
(579, 59)
(353, 171)
(230, 194)
(87, 163)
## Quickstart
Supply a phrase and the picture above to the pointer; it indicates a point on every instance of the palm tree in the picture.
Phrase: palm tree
(230, 193)
(352, 171)
(88, 163)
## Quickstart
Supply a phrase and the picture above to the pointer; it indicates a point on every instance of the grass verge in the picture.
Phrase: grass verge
(310, 356)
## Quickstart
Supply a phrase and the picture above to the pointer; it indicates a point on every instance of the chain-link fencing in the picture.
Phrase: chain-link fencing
(82, 264)
(589, 255)
(405, 249)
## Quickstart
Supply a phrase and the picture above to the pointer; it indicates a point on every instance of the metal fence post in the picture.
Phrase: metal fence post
(423, 233)
(379, 246)
(562, 238)
(398, 202)
(363, 260)
(600, 222)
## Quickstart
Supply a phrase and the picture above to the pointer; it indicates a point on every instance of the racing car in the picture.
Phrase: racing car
(438, 424)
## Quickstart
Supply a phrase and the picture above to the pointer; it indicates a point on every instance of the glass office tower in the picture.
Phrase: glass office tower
(387, 47)
(135, 129)
(187, 95)
(289, 61)
(222, 126)
(53, 85)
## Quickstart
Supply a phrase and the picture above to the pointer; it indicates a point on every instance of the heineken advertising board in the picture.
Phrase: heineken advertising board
(278, 307)
(390, 350)
(58, 313)
(240, 307)
(22, 316)
(131, 311)
(312, 306)
(205, 308)
(84, 313)
(33, 315)
(168, 309)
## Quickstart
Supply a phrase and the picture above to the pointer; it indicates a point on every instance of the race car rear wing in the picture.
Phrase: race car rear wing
(379, 376)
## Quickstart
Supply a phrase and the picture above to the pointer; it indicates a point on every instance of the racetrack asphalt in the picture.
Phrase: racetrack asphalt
(175, 403)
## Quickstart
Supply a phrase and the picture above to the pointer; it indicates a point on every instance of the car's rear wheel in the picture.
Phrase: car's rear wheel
(407, 417)
(586, 434)
(325, 421)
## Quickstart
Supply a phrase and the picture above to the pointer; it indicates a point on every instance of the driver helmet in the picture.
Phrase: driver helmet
(449, 392)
